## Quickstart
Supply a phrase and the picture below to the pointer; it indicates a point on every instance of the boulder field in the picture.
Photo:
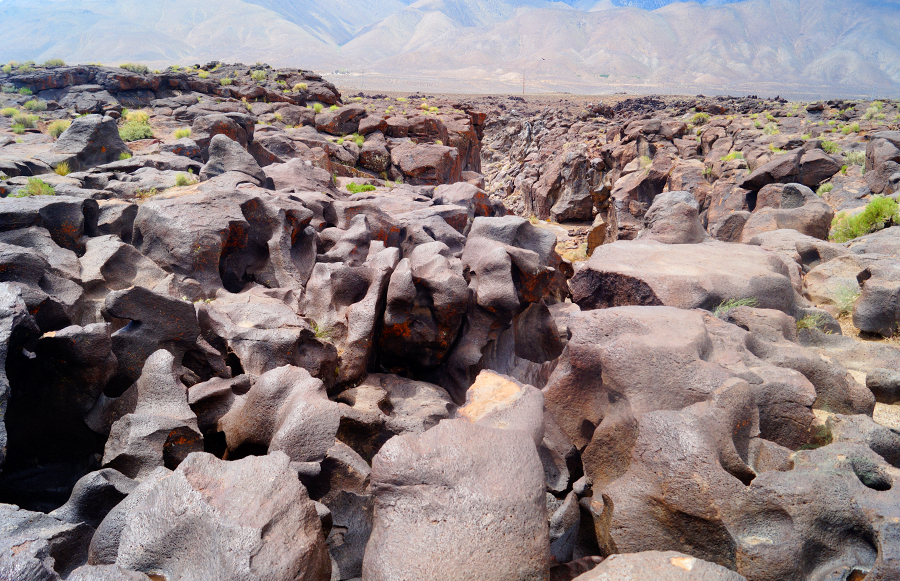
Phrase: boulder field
(255, 329)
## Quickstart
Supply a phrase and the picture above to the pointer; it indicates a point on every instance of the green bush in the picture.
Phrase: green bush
(182, 180)
(203, 74)
(845, 297)
(258, 75)
(359, 140)
(135, 130)
(136, 116)
(878, 214)
(334, 108)
(36, 105)
(815, 321)
(731, 304)
(135, 68)
(733, 155)
(54, 63)
(300, 87)
(8, 111)
(771, 129)
(124, 155)
(852, 128)
(62, 168)
(18, 128)
(856, 157)
(182, 133)
(25, 120)
(25, 91)
(830, 147)
(7, 69)
(226, 81)
(824, 189)
(317, 107)
(36, 187)
(355, 188)
(700, 119)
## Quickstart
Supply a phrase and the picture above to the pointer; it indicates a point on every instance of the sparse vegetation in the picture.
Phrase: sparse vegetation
(182, 180)
(334, 108)
(322, 332)
(8, 111)
(25, 120)
(880, 213)
(317, 107)
(300, 87)
(733, 156)
(856, 157)
(144, 194)
(700, 119)
(35, 187)
(62, 168)
(25, 91)
(35, 105)
(845, 297)
(124, 155)
(7, 69)
(830, 147)
(58, 127)
(135, 68)
(258, 75)
(726, 306)
(852, 128)
(814, 321)
(136, 127)
(182, 133)
(824, 189)
(771, 129)
(203, 74)
(355, 188)
(54, 63)
(18, 129)
(226, 81)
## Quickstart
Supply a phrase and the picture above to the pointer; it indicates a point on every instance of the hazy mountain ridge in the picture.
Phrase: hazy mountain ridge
(588, 42)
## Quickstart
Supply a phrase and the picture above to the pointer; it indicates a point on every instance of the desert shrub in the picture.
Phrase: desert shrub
(136, 127)
(136, 116)
(340, 141)
(300, 87)
(35, 105)
(771, 129)
(135, 68)
(334, 108)
(36, 187)
(203, 74)
(355, 188)
(731, 304)
(814, 321)
(182, 180)
(824, 189)
(124, 155)
(25, 120)
(258, 75)
(878, 214)
(852, 128)
(144, 194)
(54, 63)
(317, 107)
(182, 133)
(359, 140)
(845, 297)
(278, 117)
(226, 81)
(769, 116)
(25, 69)
(324, 333)
(830, 147)
(7, 69)
(700, 119)
(18, 128)
(856, 157)
(733, 155)
(62, 168)
(8, 111)
(25, 91)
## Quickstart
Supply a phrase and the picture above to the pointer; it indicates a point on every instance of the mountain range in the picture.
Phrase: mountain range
(829, 46)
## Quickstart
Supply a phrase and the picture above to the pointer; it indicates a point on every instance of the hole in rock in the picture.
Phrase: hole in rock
(751, 200)
(871, 475)
(234, 364)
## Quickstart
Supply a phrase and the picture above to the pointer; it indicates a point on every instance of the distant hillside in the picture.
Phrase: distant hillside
(588, 45)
